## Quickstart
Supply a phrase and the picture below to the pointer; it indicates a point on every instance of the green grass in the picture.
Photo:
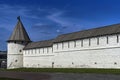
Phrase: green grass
(3, 78)
(68, 70)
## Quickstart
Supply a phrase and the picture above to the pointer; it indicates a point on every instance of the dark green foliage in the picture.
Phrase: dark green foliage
(69, 70)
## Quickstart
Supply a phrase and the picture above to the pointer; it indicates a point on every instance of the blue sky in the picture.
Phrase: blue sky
(45, 19)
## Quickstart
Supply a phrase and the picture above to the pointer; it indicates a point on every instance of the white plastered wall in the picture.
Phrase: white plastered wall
(94, 53)
(43, 57)
(15, 55)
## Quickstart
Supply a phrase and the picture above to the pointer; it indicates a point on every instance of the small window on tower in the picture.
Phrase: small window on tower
(15, 60)
(95, 63)
(20, 51)
(115, 63)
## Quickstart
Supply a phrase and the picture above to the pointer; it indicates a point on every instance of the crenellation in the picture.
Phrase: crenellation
(85, 43)
(94, 42)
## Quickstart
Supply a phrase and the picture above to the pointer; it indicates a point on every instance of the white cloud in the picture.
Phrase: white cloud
(56, 17)
(67, 24)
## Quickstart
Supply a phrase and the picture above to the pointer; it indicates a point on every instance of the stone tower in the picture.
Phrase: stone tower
(17, 41)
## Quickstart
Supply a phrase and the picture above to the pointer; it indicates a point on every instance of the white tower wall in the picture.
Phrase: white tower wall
(15, 55)
(16, 43)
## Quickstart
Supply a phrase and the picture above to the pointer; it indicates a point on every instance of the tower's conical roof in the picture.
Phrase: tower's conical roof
(19, 33)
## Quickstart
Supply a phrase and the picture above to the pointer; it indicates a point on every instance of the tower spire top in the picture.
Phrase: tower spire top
(18, 18)
(19, 33)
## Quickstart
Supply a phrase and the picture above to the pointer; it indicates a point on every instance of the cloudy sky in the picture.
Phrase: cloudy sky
(45, 19)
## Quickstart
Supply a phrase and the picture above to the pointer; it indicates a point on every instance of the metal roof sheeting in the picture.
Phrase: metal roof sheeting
(106, 30)
(40, 44)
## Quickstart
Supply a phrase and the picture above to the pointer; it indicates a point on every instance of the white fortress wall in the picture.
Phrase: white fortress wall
(40, 57)
(15, 55)
(97, 52)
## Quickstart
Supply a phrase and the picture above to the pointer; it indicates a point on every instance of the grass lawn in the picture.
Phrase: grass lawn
(3, 78)
(68, 70)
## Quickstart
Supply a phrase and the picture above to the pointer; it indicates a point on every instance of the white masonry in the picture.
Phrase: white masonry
(92, 52)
